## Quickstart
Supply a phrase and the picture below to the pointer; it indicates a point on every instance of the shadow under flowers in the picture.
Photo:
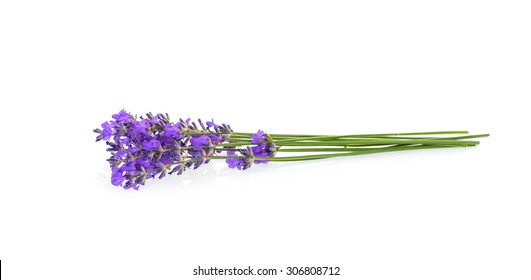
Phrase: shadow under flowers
(216, 173)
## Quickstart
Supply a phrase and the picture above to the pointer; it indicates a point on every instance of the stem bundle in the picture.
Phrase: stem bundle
(329, 146)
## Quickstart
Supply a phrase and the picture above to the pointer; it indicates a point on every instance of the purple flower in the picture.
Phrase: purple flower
(123, 116)
(260, 150)
(151, 145)
(265, 148)
(241, 162)
(183, 123)
(121, 154)
(212, 124)
(145, 163)
(131, 166)
(259, 136)
(154, 120)
(215, 139)
(140, 127)
(166, 159)
(199, 141)
(124, 140)
(117, 177)
(133, 150)
(233, 162)
(107, 131)
(172, 131)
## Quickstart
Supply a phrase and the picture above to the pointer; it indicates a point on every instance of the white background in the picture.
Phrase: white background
(318, 67)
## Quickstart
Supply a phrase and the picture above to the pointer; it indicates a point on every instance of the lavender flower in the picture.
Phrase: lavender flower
(258, 137)
(122, 116)
(152, 146)
(145, 147)
(242, 158)
(264, 148)
(200, 140)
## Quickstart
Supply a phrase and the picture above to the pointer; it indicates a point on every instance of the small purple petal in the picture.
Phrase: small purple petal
(120, 154)
(199, 141)
(151, 145)
(138, 127)
(172, 131)
(128, 167)
(259, 136)
(117, 177)
(106, 133)
(212, 124)
(123, 116)
(215, 139)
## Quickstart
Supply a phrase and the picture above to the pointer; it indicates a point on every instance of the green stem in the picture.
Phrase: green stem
(358, 135)
(358, 142)
(237, 142)
(357, 153)
(324, 156)
(349, 137)
(307, 150)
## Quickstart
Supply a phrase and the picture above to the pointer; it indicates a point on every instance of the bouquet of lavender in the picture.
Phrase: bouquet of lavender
(153, 146)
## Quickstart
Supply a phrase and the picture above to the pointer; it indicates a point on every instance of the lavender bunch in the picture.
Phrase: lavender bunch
(152, 146)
